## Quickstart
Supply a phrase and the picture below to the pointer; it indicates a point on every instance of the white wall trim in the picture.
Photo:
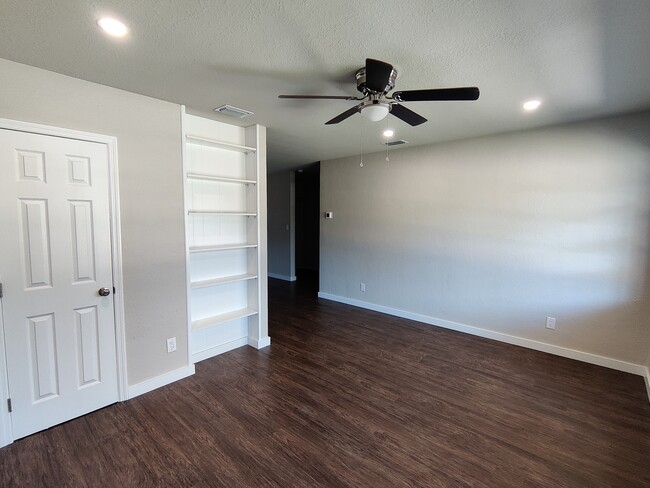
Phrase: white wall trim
(187, 237)
(282, 277)
(259, 343)
(116, 244)
(6, 429)
(258, 327)
(160, 381)
(218, 349)
(498, 336)
(55, 131)
(118, 281)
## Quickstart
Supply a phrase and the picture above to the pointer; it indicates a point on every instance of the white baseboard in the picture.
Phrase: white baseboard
(220, 349)
(499, 336)
(159, 381)
(259, 343)
(282, 277)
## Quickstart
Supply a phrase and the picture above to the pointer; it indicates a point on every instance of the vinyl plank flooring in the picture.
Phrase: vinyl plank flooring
(346, 397)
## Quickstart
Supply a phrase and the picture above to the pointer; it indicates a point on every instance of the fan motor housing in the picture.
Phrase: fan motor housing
(360, 76)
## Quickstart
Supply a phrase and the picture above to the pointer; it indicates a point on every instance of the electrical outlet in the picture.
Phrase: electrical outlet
(362, 286)
(171, 344)
(550, 323)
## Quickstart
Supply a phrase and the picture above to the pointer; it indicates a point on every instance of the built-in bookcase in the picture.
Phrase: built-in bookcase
(225, 200)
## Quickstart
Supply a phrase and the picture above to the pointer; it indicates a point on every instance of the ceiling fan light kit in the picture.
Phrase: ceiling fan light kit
(375, 110)
(374, 81)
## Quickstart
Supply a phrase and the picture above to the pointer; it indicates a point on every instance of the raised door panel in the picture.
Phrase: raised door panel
(87, 329)
(31, 165)
(43, 360)
(82, 238)
(34, 231)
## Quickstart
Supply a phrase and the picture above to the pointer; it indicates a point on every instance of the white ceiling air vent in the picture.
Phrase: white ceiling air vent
(231, 111)
(396, 143)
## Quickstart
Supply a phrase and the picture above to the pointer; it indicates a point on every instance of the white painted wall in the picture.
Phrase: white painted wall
(151, 186)
(501, 232)
(281, 213)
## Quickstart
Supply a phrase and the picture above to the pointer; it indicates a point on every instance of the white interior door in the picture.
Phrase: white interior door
(55, 256)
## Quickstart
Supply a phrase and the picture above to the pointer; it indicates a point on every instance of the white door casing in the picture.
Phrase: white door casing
(55, 253)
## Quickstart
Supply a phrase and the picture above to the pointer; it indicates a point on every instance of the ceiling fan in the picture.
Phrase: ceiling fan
(375, 80)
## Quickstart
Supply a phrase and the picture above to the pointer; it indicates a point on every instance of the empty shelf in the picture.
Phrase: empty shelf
(221, 247)
(222, 179)
(225, 317)
(207, 141)
(222, 281)
(217, 212)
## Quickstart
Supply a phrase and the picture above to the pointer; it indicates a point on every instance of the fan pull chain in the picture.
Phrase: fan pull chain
(387, 157)
(361, 159)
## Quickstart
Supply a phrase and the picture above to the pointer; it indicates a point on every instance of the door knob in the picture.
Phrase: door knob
(104, 292)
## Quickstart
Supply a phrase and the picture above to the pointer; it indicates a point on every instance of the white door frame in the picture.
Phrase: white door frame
(6, 434)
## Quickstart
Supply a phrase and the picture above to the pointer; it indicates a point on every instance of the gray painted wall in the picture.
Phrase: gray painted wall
(501, 232)
(281, 213)
(151, 193)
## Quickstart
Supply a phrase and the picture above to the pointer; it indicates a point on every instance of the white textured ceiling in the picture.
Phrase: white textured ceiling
(583, 58)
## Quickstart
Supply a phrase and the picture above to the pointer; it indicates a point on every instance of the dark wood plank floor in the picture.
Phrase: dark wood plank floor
(347, 397)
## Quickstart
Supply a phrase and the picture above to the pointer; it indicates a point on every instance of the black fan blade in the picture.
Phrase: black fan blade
(344, 115)
(438, 94)
(320, 97)
(377, 75)
(406, 114)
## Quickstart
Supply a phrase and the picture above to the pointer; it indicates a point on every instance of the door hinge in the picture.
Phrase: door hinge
(113, 290)
(0, 290)
(9, 405)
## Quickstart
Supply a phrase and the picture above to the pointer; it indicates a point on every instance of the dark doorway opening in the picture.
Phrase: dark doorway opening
(308, 225)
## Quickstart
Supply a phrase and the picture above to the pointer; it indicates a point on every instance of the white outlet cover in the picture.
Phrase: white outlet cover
(171, 344)
(550, 323)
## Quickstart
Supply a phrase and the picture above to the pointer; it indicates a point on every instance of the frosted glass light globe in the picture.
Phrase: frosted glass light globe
(375, 112)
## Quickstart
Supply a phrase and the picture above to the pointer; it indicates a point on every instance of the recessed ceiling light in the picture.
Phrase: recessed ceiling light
(113, 27)
(389, 133)
(531, 105)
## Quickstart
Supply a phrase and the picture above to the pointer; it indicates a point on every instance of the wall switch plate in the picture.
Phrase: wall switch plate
(550, 323)
(171, 344)
(362, 286)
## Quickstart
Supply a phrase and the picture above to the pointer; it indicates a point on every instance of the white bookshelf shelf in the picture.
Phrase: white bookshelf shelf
(219, 212)
(221, 247)
(223, 318)
(223, 281)
(207, 141)
(221, 179)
